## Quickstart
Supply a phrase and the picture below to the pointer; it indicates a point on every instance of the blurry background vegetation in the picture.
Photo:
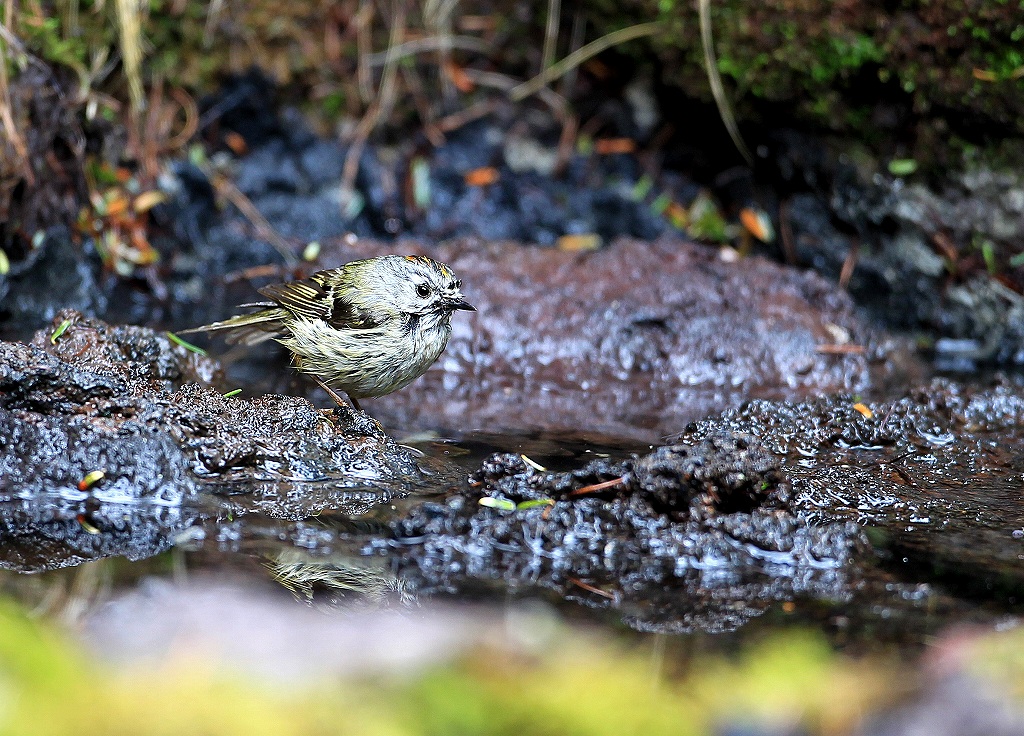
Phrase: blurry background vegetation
(834, 65)
(585, 684)
(121, 80)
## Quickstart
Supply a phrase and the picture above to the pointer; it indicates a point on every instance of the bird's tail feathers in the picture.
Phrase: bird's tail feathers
(247, 329)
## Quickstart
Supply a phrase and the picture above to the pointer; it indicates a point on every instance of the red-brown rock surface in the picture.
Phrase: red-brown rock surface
(635, 339)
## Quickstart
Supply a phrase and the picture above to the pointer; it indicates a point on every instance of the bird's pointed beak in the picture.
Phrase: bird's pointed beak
(460, 303)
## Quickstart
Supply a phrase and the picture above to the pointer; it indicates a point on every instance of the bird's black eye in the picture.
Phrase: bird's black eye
(423, 290)
(457, 284)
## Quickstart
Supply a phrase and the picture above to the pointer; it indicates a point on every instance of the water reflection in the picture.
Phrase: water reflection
(352, 546)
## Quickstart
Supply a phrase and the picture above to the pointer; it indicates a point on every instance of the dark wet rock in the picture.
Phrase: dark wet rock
(90, 360)
(126, 401)
(73, 408)
(933, 476)
(54, 275)
(660, 538)
(272, 437)
(937, 258)
(52, 455)
(636, 339)
(77, 405)
(37, 536)
(133, 380)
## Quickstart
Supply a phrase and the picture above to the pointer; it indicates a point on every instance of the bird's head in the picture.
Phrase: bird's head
(410, 285)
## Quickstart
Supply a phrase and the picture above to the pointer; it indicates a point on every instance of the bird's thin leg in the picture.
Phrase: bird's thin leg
(336, 396)
(330, 391)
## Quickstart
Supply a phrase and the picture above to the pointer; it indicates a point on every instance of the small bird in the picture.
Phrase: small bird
(367, 328)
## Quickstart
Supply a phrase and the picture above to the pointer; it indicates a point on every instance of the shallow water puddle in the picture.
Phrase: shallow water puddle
(349, 555)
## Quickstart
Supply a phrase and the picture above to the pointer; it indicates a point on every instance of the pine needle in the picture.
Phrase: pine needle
(715, 80)
(577, 57)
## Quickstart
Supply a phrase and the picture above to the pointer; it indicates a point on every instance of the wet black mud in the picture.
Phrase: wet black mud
(934, 476)
(848, 507)
(685, 538)
(810, 475)
(102, 416)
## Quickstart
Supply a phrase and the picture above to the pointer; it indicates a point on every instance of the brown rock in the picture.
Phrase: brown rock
(634, 340)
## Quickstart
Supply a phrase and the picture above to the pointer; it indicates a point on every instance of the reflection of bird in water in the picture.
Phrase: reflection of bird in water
(367, 328)
(338, 581)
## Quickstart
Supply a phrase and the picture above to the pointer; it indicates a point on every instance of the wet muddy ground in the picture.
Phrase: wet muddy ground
(656, 433)
(841, 502)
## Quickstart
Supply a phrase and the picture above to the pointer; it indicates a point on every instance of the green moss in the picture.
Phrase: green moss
(580, 685)
(805, 54)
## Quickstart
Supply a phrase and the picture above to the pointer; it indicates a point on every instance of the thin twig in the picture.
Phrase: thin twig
(576, 36)
(457, 119)
(212, 19)
(7, 116)
(15, 43)
(547, 56)
(437, 19)
(427, 44)
(592, 588)
(715, 80)
(558, 104)
(227, 189)
(566, 142)
(576, 58)
(848, 349)
(596, 487)
(256, 272)
(786, 232)
(191, 125)
(130, 34)
(363, 40)
(849, 265)
(377, 111)
(419, 98)
(148, 145)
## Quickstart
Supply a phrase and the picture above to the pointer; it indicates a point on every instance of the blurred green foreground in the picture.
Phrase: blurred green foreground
(584, 683)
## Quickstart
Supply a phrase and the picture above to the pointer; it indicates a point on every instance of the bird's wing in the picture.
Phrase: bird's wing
(317, 298)
(304, 298)
(345, 314)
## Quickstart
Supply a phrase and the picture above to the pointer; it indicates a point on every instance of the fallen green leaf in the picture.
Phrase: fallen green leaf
(311, 252)
(185, 344)
(902, 166)
(502, 504)
(61, 329)
(534, 503)
(533, 463)
(641, 189)
(988, 253)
